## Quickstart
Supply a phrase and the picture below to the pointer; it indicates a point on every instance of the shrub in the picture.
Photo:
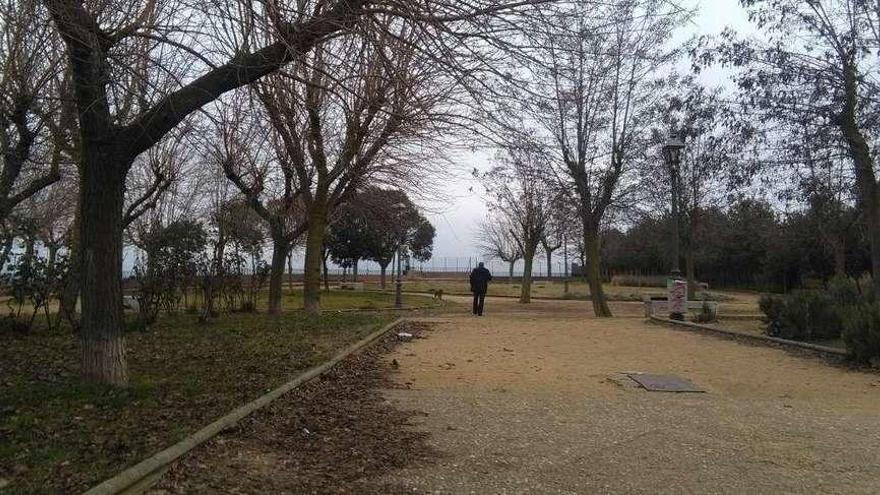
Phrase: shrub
(12, 324)
(708, 313)
(772, 306)
(803, 315)
(861, 332)
(628, 280)
(844, 291)
(135, 325)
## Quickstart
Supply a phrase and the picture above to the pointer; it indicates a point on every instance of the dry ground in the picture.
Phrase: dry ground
(555, 289)
(531, 401)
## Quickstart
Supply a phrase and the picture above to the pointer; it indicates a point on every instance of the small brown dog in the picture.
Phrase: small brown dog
(437, 294)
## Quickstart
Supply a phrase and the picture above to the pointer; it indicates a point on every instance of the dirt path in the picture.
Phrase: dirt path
(531, 401)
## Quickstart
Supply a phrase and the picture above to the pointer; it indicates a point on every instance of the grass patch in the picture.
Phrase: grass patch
(345, 299)
(60, 435)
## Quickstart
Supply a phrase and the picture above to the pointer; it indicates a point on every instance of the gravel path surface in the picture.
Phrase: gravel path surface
(336, 434)
(533, 400)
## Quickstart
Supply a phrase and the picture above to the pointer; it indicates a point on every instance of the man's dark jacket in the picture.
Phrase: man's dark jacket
(480, 278)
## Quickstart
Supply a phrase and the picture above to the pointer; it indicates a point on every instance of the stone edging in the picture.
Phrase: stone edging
(377, 310)
(762, 338)
(141, 476)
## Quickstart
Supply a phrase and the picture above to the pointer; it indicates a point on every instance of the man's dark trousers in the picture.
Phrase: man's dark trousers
(479, 302)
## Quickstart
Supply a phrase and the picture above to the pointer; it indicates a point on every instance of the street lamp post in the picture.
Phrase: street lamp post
(672, 152)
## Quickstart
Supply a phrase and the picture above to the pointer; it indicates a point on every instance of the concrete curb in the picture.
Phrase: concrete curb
(756, 337)
(140, 477)
(534, 298)
(377, 310)
(739, 317)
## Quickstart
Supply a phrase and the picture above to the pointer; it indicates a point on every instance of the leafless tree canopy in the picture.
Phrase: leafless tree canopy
(36, 137)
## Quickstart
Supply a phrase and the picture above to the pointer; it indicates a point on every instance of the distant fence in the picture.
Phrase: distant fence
(440, 265)
(451, 265)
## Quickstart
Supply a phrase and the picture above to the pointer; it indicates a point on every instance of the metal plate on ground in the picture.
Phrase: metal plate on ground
(664, 383)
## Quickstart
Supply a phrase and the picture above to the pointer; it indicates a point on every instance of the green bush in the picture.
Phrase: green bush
(772, 306)
(847, 309)
(802, 315)
(844, 291)
(708, 313)
(861, 331)
(13, 324)
(639, 280)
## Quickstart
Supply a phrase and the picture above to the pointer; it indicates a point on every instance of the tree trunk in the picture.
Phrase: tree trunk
(384, 270)
(866, 180)
(8, 244)
(290, 270)
(565, 258)
(102, 182)
(594, 273)
(70, 291)
(839, 249)
(525, 293)
(314, 247)
(52, 257)
(280, 249)
(354, 271)
(549, 265)
(510, 273)
(690, 269)
(29, 249)
(324, 257)
(872, 221)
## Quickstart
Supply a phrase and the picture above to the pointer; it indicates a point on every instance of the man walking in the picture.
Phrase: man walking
(480, 278)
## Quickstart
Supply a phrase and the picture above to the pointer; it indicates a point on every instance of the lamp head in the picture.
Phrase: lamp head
(672, 149)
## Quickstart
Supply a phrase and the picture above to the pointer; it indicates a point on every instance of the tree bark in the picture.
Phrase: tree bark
(280, 249)
(866, 180)
(324, 256)
(354, 271)
(103, 167)
(314, 256)
(525, 293)
(510, 273)
(549, 265)
(102, 182)
(53, 256)
(839, 250)
(384, 270)
(289, 270)
(592, 247)
(690, 270)
(565, 258)
(8, 244)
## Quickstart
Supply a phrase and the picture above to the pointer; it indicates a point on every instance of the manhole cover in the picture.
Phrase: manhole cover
(663, 383)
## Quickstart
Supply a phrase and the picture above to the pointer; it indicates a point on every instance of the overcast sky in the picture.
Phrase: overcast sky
(457, 220)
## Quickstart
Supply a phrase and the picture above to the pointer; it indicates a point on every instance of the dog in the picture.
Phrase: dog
(437, 294)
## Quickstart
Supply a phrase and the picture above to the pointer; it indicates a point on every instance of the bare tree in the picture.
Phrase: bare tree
(266, 179)
(34, 125)
(586, 82)
(816, 70)
(556, 232)
(496, 240)
(521, 192)
(344, 118)
(140, 68)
